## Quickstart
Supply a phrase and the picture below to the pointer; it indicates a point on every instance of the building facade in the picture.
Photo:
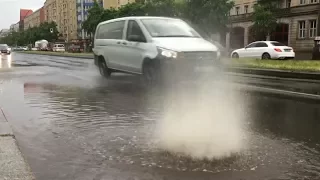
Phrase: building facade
(115, 3)
(23, 14)
(64, 13)
(34, 19)
(87, 4)
(14, 27)
(297, 24)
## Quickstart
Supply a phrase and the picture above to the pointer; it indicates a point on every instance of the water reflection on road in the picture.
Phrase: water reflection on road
(5, 61)
(77, 128)
(70, 128)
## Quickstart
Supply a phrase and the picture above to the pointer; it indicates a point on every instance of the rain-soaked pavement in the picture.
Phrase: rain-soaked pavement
(71, 123)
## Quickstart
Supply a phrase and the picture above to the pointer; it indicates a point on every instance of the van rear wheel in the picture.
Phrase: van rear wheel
(103, 69)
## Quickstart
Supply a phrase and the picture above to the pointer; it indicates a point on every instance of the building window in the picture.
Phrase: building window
(237, 10)
(246, 7)
(302, 29)
(312, 28)
(302, 1)
(313, 1)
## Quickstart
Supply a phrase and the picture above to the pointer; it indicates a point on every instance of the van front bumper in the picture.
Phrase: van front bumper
(182, 69)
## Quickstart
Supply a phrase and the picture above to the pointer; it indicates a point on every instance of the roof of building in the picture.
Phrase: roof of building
(24, 13)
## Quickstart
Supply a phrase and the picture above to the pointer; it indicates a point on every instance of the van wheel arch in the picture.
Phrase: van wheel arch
(150, 71)
(103, 67)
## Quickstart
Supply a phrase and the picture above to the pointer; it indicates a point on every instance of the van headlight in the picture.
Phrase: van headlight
(167, 53)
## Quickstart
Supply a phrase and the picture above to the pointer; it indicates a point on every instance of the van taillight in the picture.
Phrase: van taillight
(277, 49)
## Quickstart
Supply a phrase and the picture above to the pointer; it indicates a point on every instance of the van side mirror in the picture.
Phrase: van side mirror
(136, 38)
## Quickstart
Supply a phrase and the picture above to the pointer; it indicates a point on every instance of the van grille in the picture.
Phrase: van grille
(198, 56)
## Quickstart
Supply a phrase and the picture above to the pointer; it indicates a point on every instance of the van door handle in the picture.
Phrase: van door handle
(118, 42)
(124, 43)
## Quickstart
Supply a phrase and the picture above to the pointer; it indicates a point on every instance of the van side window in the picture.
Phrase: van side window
(112, 30)
(134, 29)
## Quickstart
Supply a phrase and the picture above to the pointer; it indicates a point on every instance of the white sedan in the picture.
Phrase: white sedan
(265, 50)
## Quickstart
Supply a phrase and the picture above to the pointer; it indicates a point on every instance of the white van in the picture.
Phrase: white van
(151, 47)
(58, 48)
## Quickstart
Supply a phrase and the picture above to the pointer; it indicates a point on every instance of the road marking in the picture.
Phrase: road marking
(272, 77)
(285, 92)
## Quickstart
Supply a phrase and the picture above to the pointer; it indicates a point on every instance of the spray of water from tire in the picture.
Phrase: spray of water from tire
(204, 121)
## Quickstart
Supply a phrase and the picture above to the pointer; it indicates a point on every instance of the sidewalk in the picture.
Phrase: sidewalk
(12, 164)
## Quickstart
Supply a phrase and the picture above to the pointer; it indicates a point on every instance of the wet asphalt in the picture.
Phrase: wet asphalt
(71, 123)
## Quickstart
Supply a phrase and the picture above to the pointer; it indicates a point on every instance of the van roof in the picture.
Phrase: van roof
(135, 17)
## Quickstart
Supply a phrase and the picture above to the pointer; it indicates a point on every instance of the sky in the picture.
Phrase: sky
(10, 10)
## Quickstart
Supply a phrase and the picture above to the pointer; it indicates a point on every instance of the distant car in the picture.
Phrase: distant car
(265, 50)
(74, 48)
(58, 48)
(19, 48)
(4, 48)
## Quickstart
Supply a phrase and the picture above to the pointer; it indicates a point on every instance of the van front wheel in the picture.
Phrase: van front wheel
(103, 68)
(150, 75)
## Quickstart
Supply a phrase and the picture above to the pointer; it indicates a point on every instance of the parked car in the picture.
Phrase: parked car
(4, 48)
(18, 48)
(75, 48)
(58, 48)
(265, 50)
(152, 47)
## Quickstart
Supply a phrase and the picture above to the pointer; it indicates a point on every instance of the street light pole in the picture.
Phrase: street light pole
(64, 21)
(82, 18)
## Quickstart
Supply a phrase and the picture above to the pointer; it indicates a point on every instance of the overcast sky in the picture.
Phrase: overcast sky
(10, 10)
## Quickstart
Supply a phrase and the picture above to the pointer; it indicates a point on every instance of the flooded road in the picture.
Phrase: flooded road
(72, 124)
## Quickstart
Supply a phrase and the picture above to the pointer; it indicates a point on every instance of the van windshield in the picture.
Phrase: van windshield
(169, 28)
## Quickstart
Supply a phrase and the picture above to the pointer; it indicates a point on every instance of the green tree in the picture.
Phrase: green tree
(130, 9)
(210, 15)
(109, 14)
(161, 8)
(265, 17)
(94, 18)
(31, 35)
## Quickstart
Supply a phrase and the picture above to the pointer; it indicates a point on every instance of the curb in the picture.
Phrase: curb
(275, 73)
(5, 128)
(60, 55)
(12, 163)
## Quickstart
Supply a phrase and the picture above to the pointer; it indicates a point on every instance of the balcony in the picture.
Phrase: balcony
(286, 12)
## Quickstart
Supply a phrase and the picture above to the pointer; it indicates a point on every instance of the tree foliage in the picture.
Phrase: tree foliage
(31, 35)
(209, 15)
(94, 18)
(161, 8)
(264, 17)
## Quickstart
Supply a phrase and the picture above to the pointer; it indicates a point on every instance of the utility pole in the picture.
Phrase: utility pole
(318, 22)
(66, 21)
(82, 17)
